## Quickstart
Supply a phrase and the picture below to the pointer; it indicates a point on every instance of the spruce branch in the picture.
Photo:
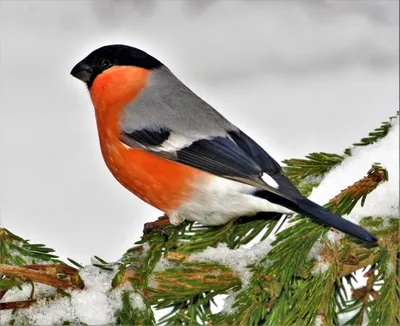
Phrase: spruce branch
(183, 281)
(26, 273)
(385, 309)
(364, 294)
(45, 274)
(292, 246)
(178, 242)
(375, 135)
(369, 299)
(344, 202)
(352, 263)
(315, 164)
(235, 233)
(306, 173)
(130, 315)
(314, 297)
(189, 312)
(195, 278)
(17, 251)
(190, 279)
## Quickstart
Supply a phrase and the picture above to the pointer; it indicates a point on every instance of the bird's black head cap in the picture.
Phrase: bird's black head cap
(112, 55)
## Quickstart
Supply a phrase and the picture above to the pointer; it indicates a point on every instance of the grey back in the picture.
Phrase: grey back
(167, 102)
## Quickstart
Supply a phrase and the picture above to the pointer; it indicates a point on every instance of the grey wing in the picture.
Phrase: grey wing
(169, 120)
(167, 102)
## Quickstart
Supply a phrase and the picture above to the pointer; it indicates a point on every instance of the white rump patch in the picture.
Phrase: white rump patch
(217, 200)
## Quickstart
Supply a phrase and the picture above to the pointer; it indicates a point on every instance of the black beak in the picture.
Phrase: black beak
(82, 71)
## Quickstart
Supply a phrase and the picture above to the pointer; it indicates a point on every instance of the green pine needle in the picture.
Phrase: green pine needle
(315, 165)
(131, 315)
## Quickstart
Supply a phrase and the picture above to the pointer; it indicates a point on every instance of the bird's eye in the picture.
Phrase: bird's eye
(104, 63)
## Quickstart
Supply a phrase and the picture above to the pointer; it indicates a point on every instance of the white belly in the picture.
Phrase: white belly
(218, 200)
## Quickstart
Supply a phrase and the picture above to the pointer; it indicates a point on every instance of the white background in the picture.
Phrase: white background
(296, 76)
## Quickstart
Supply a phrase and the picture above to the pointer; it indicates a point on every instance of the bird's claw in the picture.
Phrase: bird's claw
(150, 227)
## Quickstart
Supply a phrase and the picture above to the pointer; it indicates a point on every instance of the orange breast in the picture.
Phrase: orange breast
(161, 183)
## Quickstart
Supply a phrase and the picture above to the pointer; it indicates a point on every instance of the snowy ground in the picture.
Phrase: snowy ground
(298, 77)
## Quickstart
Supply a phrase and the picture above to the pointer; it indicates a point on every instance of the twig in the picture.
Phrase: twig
(347, 269)
(366, 291)
(364, 186)
(34, 275)
(54, 269)
(2, 293)
(16, 304)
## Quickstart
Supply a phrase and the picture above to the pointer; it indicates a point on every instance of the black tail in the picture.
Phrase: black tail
(320, 215)
(324, 216)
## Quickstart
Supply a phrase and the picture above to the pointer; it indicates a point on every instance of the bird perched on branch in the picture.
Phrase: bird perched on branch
(174, 151)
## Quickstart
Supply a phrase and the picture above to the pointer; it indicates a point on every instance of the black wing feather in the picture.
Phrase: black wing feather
(267, 163)
(147, 137)
(220, 156)
(256, 152)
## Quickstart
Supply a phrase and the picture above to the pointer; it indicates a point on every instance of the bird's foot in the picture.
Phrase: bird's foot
(157, 226)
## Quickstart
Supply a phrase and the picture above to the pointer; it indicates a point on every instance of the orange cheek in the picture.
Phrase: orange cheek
(117, 86)
(111, 91)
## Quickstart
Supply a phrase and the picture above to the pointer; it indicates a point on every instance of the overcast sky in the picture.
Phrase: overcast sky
(297, 76)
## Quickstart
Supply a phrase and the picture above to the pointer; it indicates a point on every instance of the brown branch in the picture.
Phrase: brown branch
(34, 275)
(364, 186)
(365, 293)
(2, 293)
(347, 269)
(3, 233)
(16, 304)
(54, 269)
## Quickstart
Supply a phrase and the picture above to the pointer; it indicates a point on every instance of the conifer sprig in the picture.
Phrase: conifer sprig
(132, 315)
(384, 309)
(17, 251)
(314, 165)
(300, 292)
(375, 135)
(344, 202)
(306, 173)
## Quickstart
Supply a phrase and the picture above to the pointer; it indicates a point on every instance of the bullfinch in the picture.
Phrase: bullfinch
(176, 152)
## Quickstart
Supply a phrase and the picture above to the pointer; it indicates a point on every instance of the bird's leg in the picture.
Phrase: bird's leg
(156, 226)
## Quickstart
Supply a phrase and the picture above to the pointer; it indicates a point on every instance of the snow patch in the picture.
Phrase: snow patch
(229, 301)
(137, 301)
(384, 200)
(238, 259)
(321, 265)
(321, 268)
(95, 305)
(319, 321)
(164, 263)
(390, 268)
